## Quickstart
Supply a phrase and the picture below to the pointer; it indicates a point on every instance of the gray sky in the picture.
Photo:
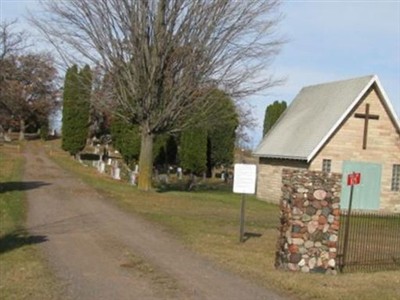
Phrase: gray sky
(328, 40)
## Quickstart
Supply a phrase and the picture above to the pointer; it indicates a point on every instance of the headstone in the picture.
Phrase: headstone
(179, 173)
(109, 162)
(115, 163)
(101, 167)
(163, 178)
(133, 178)
(117, 173)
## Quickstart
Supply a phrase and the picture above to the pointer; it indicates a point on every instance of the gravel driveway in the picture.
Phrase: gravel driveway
(99, 252)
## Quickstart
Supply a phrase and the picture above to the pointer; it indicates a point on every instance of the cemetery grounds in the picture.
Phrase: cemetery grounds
(206, 221)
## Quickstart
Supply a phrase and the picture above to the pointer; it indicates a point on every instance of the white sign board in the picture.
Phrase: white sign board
(244, 180)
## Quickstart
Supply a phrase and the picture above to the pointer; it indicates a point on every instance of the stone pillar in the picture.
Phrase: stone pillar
(309, 221)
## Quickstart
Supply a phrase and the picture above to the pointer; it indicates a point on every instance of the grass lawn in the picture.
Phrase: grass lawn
(208, 223)
(23, 273)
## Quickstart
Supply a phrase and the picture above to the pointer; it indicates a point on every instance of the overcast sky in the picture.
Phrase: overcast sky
(328, 40)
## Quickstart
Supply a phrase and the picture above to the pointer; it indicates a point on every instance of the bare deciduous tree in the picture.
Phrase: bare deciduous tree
(11, 42)
(27, 81)
(162, 56)
(28, 92)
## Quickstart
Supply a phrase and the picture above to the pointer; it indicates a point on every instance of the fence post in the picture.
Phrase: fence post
(346, 234)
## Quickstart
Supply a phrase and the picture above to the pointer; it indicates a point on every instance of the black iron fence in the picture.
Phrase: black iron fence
(373, 241)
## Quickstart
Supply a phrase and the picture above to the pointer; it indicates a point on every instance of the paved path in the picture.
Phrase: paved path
(100, 252)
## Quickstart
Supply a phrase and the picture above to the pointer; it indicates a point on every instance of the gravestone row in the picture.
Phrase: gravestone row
(115, 170)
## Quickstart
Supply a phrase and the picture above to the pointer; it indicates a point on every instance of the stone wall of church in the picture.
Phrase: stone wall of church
(309, 205)
(383, 146)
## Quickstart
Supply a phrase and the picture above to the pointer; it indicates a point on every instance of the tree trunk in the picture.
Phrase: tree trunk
(21, 129)
(145, 161)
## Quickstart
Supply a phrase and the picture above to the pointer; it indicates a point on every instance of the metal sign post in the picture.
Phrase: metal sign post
(352, 180)
(244, 182)
(242, 211)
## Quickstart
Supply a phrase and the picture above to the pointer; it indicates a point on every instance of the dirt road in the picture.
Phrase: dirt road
(99, 252)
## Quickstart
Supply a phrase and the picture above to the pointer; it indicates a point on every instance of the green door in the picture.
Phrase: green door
(366, 195)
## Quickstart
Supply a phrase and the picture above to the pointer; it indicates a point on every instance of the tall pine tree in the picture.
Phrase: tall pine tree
(165, 151)
(83, 109)
(76, 110)
(222, 133)
(70, 93)
(193, 150)
(272, 114)
(212, 145)
(126, 139)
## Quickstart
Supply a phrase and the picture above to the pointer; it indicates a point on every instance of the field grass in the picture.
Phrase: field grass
(208, 223)
(23, 273)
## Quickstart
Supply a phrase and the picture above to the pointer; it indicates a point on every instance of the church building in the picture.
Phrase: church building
(343, 127)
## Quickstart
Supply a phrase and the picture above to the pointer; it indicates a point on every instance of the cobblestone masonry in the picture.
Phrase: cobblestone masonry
(309, 221)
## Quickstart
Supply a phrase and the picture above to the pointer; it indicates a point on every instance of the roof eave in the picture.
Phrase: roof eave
(388, 105)
(280, 157)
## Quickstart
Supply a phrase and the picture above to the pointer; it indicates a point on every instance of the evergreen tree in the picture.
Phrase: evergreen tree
(272, 114)
(193, 150)
(159, 151)
(222, 134)
(70, 93)
(77, 93)
(82, 109)
(171, 150)
(212, 145)
(126, 139)
(165, 150)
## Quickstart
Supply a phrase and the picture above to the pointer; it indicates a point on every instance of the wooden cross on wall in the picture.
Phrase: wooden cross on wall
(367, 116)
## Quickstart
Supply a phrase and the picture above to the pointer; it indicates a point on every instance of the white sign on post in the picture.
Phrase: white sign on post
(244, 180)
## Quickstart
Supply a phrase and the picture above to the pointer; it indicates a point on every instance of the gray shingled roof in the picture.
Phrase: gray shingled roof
(310, 119)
